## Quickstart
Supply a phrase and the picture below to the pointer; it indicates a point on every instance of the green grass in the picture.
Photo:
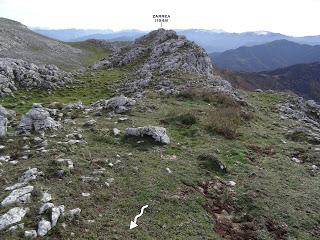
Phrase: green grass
(95, 53)
(92, 86)
(269, 185)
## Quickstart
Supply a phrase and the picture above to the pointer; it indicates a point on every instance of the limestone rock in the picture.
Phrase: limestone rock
(118, 103)
(30, 234)
(16, 72)
(74, 213)
(37, 118)
(30, 174)
(45, 207)
(44, 227)
(56, 212)
(159, 134)
(20, 195)
(14, 215)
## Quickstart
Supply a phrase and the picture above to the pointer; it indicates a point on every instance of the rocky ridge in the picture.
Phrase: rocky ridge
(163, 53)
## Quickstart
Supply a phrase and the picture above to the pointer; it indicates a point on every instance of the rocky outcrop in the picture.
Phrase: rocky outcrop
(16, 73)
(159, 134)
(304, 118)
(160, 54)
(37, 118)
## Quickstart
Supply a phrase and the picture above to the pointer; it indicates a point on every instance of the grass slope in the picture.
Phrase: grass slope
(270, 187)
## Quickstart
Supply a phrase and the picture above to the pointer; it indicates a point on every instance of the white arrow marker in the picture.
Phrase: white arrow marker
(133, 224)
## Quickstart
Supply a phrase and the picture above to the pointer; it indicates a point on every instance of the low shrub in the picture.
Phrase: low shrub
(225, 121)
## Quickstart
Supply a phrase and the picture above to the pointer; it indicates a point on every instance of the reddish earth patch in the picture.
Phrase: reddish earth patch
(219, 205)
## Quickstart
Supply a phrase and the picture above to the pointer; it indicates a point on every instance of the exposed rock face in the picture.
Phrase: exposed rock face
(304, 117)
(18, 73)
(14, 215)
(37, 118)
(159, 134)
(163, 52)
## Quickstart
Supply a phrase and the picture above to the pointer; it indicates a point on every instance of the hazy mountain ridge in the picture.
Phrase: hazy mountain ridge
(302, 79)
(266, 57)
(211, 40)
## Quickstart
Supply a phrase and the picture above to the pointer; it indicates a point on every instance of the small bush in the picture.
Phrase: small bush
(225, 121)
(210, 161)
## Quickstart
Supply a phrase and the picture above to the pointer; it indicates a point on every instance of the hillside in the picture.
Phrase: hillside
(17, 41)
(266, 57)
(155, 124)
(302, 79)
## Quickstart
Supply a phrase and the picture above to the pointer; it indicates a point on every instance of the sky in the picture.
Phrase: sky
(291, 17)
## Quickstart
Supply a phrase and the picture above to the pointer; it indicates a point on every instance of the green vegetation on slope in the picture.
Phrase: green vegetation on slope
(270, 190)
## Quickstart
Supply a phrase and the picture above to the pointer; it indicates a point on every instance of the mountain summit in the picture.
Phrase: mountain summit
(160, 56)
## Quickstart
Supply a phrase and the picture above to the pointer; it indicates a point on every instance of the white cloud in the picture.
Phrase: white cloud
(294, 17)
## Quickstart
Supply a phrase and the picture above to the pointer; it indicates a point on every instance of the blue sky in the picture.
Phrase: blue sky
(292, 17)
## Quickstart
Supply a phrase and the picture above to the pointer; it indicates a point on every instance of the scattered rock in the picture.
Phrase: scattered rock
(46, 197)
(45, 207)
(159, 134)
(30, 234)
(14, 215)
(44, 227)
(20, 195)
(85, 194)
(30, 174)
(74, 213)
(168, 170)
(56, 212)
(296, 160)
(90, 123)
(119, 104)
(109, 182)
(116, 131)
(230, 183)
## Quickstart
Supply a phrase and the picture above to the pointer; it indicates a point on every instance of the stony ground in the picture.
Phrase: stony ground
(263, 194)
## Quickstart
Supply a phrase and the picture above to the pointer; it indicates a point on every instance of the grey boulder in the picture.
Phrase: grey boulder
(37, 118)
(159, 134)
(14, 215)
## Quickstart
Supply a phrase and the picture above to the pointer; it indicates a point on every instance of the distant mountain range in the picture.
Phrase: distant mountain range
(303, 79)
(266, 57)
(76, 35)
(211, 40)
